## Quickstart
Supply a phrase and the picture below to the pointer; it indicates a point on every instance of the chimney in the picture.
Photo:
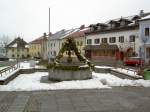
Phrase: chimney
(141, 13)
(44, 35)
(82, 27)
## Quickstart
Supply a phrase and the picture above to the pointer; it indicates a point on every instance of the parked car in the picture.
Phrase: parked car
(133, 61)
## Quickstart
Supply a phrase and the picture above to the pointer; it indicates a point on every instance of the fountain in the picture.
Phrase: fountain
(70, 70)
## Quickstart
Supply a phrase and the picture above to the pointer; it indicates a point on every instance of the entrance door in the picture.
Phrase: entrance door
(88, 54)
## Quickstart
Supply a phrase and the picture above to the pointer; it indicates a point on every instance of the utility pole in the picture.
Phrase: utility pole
(49, 37)
(49, 20)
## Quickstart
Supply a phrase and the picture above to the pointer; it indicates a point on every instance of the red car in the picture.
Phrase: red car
(133, 61)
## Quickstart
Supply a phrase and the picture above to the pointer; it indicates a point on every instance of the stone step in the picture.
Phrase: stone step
(19, 103)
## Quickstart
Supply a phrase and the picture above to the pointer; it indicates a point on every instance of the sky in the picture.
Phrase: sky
(29, 19)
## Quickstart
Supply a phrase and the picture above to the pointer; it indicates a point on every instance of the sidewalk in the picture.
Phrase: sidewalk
(118, 99)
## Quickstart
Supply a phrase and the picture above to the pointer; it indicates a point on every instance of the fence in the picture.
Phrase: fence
(8, 69)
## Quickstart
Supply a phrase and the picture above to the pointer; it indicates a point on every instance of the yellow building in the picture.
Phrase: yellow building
(35, 48)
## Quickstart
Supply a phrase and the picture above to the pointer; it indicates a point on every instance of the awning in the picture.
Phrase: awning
(101, 47)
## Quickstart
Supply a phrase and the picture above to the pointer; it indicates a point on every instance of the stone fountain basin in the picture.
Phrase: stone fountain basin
(70, 72)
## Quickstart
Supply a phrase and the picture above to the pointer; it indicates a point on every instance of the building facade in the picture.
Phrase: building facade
(35, 48)
(144, 33)
(114, 40)
(56, 41)
(17, 49)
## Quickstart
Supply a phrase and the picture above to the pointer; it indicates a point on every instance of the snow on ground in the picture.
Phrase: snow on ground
(112, 80)
(103, 67)
(3, 67)
(128, 72)
(31, 82)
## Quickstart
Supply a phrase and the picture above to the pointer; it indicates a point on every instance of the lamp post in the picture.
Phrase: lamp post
(17, 53)
(144, 39)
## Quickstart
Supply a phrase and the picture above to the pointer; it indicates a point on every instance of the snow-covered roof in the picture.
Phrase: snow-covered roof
(14, 45)
(145, 18)
(62, 34)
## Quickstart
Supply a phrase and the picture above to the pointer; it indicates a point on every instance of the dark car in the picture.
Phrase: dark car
(133, 61)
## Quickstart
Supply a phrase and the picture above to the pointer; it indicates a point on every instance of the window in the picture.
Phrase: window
(81, 43)
(132, 38)
(121, 39)
(77, 43)
(146, 31)
(54, 44)
(89, 41)
(12, 50)
(96, 41)
(112, 39)
(104, 40)
(13, 55)
(54, 53)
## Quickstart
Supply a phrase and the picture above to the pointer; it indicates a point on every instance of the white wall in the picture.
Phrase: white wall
(144, 24)
(126, 35)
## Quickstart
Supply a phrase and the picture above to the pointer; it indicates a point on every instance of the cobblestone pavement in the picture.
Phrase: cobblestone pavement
(117, 99)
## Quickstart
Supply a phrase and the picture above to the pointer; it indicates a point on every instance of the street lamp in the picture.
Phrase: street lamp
(144, 39)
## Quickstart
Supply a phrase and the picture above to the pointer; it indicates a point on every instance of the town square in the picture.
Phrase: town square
(74, 56)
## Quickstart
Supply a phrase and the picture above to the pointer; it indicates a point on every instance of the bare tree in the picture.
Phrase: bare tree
(5, 39)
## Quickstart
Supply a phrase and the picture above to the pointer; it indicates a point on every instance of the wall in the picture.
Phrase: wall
(34, 49)
(144, 24)
(20, 52)
(124, 46)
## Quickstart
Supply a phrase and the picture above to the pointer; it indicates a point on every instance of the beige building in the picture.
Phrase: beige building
(35, 48)
(18, 48)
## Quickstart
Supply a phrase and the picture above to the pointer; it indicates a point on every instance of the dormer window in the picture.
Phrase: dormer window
(101, 26)
(114, 24)
(124, 22)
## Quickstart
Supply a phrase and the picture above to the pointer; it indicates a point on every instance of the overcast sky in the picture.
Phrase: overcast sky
(29, 18)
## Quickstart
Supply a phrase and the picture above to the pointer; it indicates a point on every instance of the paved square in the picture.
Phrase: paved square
(117, 99)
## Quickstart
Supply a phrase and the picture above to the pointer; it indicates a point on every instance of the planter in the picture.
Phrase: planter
(147, 74)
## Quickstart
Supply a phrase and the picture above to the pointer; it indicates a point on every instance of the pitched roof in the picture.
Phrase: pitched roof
(18, 42)
(80, 33)
(62, 34)
(37, 41)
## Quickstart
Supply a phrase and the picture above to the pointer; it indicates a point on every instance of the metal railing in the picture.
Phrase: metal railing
(8, 69)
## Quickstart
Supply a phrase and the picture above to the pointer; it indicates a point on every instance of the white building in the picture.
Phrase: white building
(56, 40)
(144, 32)
(115, 39)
